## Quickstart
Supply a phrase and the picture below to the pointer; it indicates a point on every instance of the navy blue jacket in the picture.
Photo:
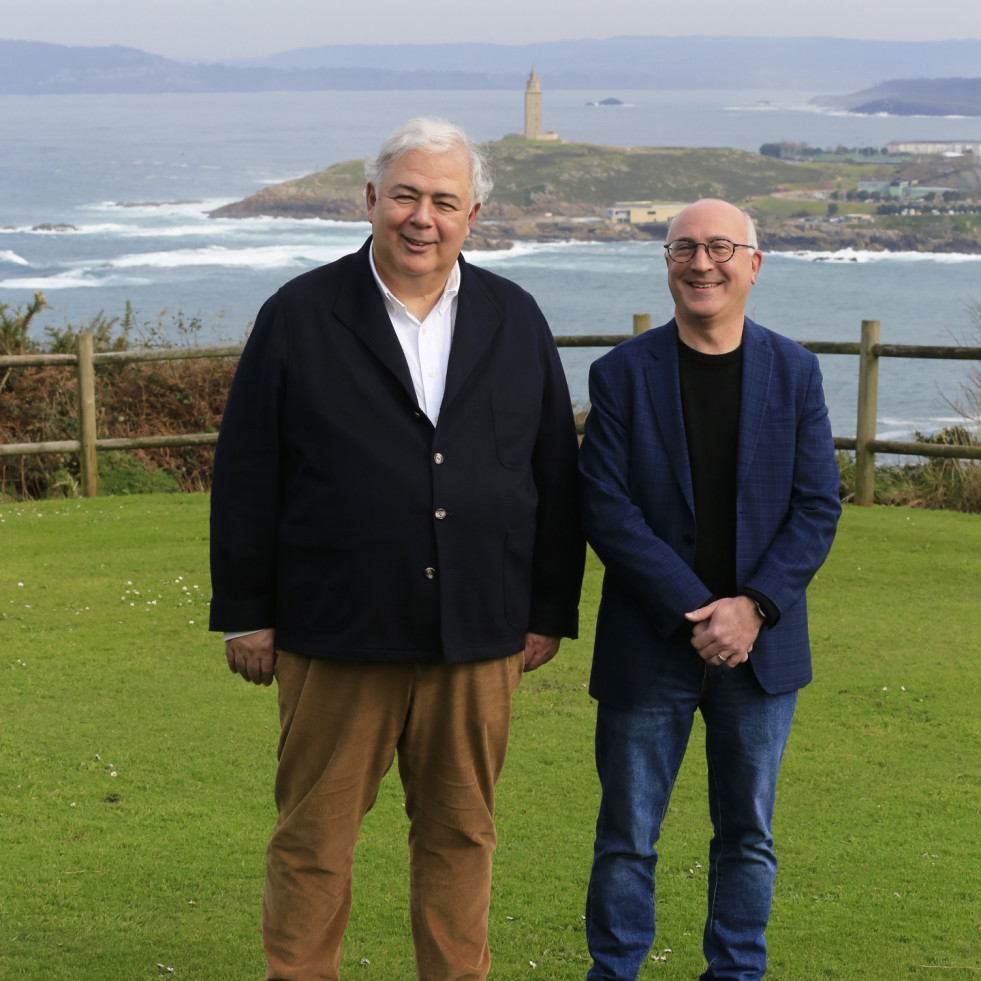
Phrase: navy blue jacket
(345, 520)
(638, 508)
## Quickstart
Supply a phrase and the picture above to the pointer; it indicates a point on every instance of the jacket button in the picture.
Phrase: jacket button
(437, 458)
(429, 572)
(440, 513)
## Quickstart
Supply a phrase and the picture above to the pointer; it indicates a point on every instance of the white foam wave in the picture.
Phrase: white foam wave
(262, 257)
(860, 256)
(71, 280)
(160, 209)
(13, 258)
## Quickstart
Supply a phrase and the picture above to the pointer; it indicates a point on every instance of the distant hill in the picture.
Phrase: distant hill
(540, 176)
(547, 190)
(913, 97)
(598, 66)
(556, 191)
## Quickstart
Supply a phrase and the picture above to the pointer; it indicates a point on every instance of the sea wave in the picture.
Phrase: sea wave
(160, 209)
(261, 257)
(858, 255)
(13, 258)
(72, 279)
(572, 255)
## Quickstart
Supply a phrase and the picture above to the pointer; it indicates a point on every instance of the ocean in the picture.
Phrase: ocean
(104, 199)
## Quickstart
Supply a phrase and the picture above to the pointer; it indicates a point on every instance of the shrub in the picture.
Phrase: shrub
(135, 399)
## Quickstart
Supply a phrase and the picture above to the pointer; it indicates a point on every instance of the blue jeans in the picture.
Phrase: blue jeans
(638, 755)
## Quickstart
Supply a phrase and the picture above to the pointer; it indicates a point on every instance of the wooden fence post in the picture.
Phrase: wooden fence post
(87, 431)
(868, 393)
(642, 322)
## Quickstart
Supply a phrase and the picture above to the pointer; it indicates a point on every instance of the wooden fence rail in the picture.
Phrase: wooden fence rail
(864, 443)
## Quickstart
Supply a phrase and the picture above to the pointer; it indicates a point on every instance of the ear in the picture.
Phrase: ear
(370, 198)
(755, 264)
(470, 218)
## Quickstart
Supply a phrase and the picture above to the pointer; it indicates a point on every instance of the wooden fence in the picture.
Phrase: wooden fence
(869, 351)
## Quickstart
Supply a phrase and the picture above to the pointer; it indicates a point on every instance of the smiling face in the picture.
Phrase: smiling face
(710, 297)
(420, 213)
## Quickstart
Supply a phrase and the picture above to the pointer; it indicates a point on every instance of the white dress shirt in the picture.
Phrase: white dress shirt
(426, 344)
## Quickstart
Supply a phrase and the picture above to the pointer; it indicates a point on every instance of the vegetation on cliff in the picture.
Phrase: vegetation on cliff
(577, 178)
(553, 190)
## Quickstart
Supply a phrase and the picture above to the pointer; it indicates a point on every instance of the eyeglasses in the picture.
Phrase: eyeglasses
(717, 249)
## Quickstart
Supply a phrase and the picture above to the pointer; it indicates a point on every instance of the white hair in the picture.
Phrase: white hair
(433, 135)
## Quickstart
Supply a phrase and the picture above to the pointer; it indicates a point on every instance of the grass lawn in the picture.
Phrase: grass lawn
(136, 772)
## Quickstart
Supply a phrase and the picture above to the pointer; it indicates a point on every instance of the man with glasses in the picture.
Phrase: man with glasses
(710, 491)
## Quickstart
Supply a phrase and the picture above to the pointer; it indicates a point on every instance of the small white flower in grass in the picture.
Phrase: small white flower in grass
(190, 623)
(113, 773)
(511, 917)
(365, 962)
(533, 964)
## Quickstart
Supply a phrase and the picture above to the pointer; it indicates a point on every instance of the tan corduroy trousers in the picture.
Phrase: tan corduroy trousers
(342, 726)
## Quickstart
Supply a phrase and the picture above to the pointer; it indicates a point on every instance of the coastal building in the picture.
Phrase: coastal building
(642, 212)
(936, 147)
(902, 190)
(533, 110)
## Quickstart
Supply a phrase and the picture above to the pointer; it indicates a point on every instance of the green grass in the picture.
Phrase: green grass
(107, 667)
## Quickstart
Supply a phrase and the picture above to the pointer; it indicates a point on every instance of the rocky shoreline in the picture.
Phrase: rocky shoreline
(780, 236)
(500, 227)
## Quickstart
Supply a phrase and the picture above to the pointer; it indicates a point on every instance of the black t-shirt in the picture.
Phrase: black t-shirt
(711, 386)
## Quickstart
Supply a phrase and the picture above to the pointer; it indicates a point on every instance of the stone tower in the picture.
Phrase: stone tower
(533, 107)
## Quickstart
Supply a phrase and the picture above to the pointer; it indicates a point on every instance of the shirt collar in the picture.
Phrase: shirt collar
(450, 290)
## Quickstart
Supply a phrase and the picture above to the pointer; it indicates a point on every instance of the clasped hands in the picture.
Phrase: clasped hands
(725, 630)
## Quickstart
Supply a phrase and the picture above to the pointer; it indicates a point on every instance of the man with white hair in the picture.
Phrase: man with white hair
(710, 492)
(395, 538)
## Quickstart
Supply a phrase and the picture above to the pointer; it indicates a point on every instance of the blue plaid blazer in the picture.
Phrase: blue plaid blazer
(638, 507)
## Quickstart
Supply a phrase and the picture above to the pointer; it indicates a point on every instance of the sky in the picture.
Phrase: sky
(212, 30)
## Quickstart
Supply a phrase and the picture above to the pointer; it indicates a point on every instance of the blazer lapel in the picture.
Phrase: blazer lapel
(664, 387)
(362, 310)
(478, 318)
(757, 365)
